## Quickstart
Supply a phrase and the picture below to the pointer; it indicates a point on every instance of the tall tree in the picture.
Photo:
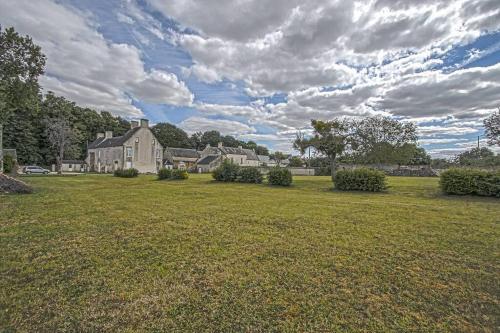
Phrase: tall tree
(60, 135)
(492, 128)
(171, 136)
(195, 140)
(21, 63)
(211, 137)
(330, 138)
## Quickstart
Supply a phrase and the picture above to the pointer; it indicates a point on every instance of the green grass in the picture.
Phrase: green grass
(100, 253)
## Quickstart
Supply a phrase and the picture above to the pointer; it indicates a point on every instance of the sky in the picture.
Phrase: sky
(262, 69)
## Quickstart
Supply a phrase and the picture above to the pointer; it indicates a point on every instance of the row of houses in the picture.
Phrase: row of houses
(139, 148)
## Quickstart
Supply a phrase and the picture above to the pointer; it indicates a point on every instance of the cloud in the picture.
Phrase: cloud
(85, 67)
(226, 127)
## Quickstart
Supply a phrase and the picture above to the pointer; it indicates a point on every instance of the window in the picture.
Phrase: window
(129, 151)
(136, 140)
(242, 160)
(70, 166)
(154, 141)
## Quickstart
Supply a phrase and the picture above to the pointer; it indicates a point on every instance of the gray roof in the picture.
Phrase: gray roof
(251, 155)
(263, 158)
(208, 159)
(183, 152)
(116, 141)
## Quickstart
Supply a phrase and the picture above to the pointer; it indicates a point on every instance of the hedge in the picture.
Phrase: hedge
(126, 173)
(226, 172)
(470, 182)
(250, 175)
(178, 174)
(362, 179)
(279, 176)
(164, 174)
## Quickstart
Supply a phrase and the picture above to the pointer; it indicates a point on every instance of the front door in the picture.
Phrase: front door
(128, 165)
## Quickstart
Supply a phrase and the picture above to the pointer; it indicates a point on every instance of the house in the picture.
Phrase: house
(180, 158)
(212, 157)
(138, 148)
(73, 166)
(266, 161)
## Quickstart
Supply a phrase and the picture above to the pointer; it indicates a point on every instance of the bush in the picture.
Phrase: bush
(178, 174)
(226, 172)
(164, 174)
(126, 173)
(362, 179)
(279, 176)
(8, 164)
(470, 181)
(250, 175)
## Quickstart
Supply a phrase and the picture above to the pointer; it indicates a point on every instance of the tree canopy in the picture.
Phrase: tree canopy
(492, 128)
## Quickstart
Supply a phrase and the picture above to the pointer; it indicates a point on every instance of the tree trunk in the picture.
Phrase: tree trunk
(59, 160)
(333, 166)
(1, 148)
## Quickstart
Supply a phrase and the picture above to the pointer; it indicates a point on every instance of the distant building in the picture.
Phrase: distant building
(180, 158)
(73, 166)
(212, 157)
(266, 161)
(138, 148)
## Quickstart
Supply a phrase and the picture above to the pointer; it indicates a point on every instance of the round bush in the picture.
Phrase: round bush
(279, 176)
(126, 173)
(178, 174)
(226, 172)
(164, 174)
(250, 175)
(362, 179)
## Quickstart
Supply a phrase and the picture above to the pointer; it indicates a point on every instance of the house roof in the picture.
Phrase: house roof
(251, 155)
(183, 152)
(116, 141)
(263, 158)
(73, 162)
(208, 159)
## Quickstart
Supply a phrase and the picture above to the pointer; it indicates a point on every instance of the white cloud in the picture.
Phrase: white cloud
(83, 66)
(226, 127)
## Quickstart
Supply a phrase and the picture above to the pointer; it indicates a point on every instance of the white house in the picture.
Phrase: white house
(138, 148)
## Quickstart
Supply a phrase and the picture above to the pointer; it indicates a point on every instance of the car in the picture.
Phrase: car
(35, 169)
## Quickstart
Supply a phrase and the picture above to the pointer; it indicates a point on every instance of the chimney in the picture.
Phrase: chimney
(240, 147)
(145, 123)
(219, 145)
(100, 135)
(134, 124)
(109, 134)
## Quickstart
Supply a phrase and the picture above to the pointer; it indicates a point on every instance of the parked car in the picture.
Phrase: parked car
(35, 169)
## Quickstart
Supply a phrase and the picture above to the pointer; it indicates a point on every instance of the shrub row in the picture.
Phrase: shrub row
(470, 181)
(230, 172)
(362, 179)
(126, 173)
(175, 174)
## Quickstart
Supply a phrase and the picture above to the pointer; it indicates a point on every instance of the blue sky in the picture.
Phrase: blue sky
(261, 70)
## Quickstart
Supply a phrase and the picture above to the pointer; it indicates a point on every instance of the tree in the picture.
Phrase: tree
(60, 135)
(330, 138)
(278, 157)
(384, 140)
(296, 162)
(171, 136)
(195, 141)
(211, 137)
(492, 128)
(478, 157)
(21, 63)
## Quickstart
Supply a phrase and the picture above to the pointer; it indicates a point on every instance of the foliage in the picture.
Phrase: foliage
(279, 176)
(250, 175)
(232, 258)
(362, 179)
(171, 136)
(330, 138)
(226, 172)
(8, 164)
(278, 157)
(482, 157)
(178, 174)
(164, 173)
(126, 173)
(296, 162)
(441, 163)
(470, 182)
(492, 128)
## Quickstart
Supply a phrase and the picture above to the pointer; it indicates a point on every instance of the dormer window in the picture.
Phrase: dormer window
(154, 141)
(136, 140)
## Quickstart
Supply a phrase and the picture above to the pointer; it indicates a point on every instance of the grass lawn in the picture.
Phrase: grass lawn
(98, 253)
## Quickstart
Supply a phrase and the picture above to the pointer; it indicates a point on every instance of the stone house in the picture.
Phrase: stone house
(212, 157)
(138, 148)
(73, 166)
(181, 158)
